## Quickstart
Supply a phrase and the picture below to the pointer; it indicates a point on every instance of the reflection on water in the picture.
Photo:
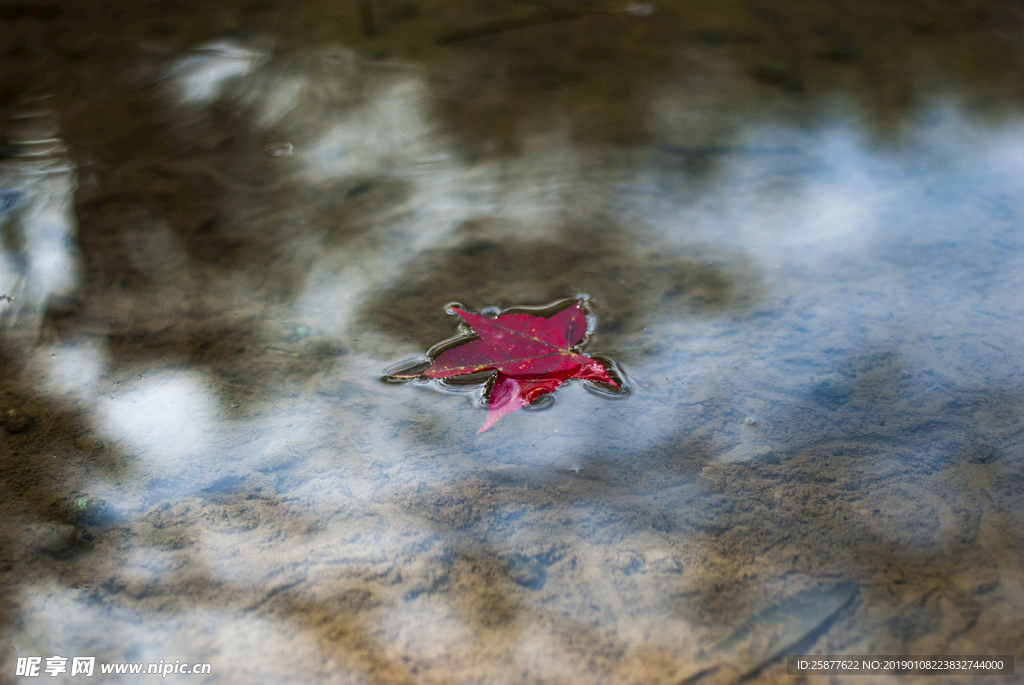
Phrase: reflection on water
(38, 260)
(800, 232)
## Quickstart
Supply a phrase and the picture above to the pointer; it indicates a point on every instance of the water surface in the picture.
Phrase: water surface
(798, 226)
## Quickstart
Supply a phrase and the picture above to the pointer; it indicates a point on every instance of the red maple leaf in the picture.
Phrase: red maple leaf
(532, 355)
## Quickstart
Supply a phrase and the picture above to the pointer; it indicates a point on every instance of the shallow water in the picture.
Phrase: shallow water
(798, 226)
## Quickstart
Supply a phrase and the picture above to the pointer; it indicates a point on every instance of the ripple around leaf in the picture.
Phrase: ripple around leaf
(606, 391)
(406, 370)
(610, 392)
(450, 308)
(469, 380)
(541, 403)
(464, 336)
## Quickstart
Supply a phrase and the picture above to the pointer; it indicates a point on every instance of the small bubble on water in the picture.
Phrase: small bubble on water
(492, 312)
(450, 308)
(278, 149)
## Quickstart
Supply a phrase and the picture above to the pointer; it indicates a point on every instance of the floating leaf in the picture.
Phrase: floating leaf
(532, 355)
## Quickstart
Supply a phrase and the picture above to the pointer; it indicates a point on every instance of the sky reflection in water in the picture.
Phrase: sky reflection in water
(823, 325)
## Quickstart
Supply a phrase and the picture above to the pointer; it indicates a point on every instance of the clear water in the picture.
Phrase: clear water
(799, 227)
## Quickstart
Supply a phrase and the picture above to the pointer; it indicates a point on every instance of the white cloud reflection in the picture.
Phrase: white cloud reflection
(73, 369)
(170, 419)
(38, 228)
(58, 620)
(200, 77)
